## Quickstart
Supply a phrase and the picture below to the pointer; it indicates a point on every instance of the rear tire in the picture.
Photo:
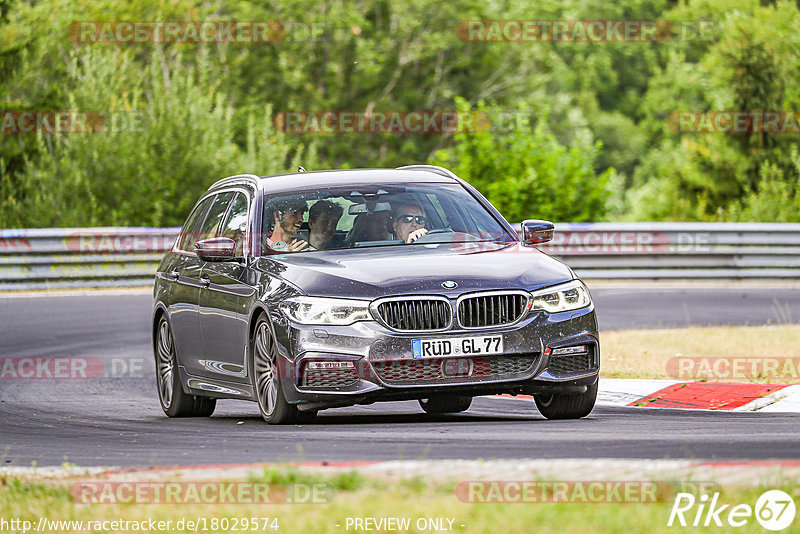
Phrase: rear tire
(267, 381)
(437, 405)
(563, 406)
(174, 401)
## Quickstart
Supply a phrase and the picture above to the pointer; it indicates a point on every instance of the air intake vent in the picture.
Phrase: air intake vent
(329, 378)
(494, 309)
(416, 314)
(431, 371)
(567, 365)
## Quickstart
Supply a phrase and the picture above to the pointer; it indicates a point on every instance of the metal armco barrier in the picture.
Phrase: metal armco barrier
(120, 257)
(45, 258)
(679, 250)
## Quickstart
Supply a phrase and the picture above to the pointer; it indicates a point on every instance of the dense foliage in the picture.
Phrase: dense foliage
(601, 143)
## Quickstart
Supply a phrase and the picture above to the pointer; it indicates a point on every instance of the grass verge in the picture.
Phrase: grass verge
(28, 499)
(666, 354)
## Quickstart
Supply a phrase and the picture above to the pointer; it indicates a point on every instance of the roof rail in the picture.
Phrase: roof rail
(430, 168)
(247, 177)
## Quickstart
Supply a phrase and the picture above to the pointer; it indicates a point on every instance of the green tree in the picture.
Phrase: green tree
(529, 174)
(173, 137)
(749, 65)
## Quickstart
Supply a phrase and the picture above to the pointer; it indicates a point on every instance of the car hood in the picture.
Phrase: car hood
(375, 272)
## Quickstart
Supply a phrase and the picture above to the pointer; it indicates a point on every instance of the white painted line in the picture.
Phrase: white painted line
(623, 391)
(784, 400)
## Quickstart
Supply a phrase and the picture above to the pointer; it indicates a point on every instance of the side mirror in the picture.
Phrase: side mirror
(535, 231)
(216, 249)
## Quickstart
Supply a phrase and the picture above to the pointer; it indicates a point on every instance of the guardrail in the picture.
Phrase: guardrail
(46, 258)
(97, 257)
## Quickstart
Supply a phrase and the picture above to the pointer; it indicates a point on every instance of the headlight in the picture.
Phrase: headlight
(320, 310)
(570, 296)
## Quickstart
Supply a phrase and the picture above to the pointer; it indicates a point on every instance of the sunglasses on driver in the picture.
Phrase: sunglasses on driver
(420, 219)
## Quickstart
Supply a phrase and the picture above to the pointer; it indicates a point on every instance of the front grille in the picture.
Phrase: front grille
(491, 310)
(575, 363)
(416, 314)
(430, 370)
(329, 378)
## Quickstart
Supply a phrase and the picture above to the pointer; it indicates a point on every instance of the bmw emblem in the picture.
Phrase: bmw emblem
(449, 284)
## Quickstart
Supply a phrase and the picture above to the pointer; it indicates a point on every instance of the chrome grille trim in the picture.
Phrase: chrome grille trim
(492, 308)
(430, 313)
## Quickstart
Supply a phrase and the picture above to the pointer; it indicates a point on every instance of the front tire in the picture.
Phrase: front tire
(174, 401)
(564, 406)
(267, 381)
(438, 405)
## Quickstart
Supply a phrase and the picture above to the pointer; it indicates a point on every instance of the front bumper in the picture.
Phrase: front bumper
(381, 365)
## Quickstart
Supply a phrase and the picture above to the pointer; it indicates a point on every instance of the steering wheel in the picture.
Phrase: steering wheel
(433, 233)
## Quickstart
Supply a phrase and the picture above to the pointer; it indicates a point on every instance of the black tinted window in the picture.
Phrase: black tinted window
(376, 215)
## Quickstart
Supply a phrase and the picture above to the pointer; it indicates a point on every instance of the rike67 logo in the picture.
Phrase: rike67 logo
(774, 510)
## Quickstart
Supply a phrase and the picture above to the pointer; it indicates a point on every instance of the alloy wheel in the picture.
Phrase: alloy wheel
(264, 359)
(166, 363)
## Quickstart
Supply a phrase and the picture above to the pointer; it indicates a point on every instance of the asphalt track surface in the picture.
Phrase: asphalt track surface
(118, 422)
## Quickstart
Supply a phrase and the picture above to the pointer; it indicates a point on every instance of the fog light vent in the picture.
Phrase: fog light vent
(566, 361)
(329, 374)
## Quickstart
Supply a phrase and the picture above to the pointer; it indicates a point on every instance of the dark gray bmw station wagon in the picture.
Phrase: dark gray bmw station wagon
(316, 290)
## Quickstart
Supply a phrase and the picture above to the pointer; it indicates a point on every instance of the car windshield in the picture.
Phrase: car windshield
(374, 216)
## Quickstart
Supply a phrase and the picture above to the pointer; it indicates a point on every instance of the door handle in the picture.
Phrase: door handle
(204, 281)
(174, 275)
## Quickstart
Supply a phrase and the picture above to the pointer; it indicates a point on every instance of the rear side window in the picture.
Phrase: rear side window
(215, 214)
(192, 226)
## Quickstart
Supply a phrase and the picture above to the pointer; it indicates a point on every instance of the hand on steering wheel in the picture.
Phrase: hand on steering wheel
(416, 234)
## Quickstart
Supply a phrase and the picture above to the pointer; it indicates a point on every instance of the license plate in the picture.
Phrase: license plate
(456, 346)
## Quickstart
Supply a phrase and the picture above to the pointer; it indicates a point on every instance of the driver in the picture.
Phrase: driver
(286, 216)
(408, 221)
